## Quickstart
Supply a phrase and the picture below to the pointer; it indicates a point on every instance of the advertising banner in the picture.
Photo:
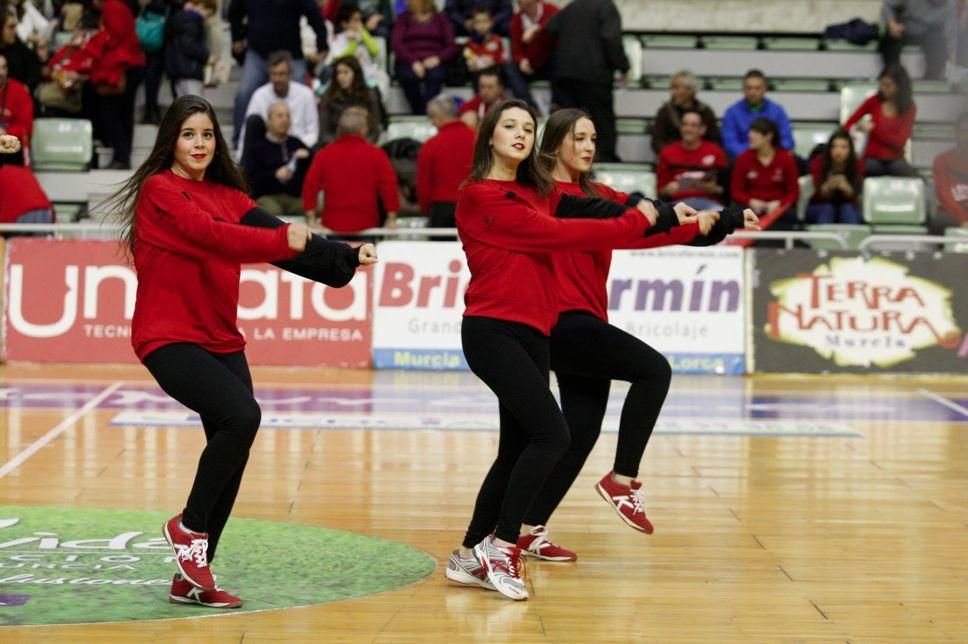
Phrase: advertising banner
(72, 301)
(844, 312)
(686, 302)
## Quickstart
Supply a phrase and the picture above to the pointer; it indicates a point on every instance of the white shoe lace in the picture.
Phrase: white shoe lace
(196, 551)
(638, 501)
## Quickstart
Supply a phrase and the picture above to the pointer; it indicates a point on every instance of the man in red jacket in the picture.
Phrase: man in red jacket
(355, 177)
(951, 182)
(16, 112)
(690, 169)
(490, 92)
(444, 162)
(531, 46)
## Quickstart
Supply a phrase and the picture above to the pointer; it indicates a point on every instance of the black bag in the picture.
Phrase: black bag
(857, 32)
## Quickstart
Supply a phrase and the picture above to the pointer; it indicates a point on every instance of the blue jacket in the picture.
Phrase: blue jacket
(736, 126)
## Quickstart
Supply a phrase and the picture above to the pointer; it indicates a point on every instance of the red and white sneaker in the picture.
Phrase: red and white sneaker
(503, 566)
(627, 502)
(184, 592)
(466, 570)
(192, 551)
(537, 544)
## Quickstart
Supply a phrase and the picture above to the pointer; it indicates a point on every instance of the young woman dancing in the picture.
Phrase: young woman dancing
(180, 214)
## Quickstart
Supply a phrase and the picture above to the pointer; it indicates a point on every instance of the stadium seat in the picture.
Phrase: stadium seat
(381, 54)
(410, 127)
(725, 84)
(633, 51)
(854, 235)
(807, 137)
(627, 177)
(957, 232)
(741, 43)
(660, 41)
(806, 193)
(791, 43)
(894, 201)
(62, 144)
(852, 95)
(801, 85)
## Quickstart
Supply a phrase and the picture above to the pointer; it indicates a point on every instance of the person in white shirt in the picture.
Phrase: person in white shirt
(281, 89)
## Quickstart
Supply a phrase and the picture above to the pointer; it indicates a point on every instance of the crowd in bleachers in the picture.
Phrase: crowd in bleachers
(305, 64)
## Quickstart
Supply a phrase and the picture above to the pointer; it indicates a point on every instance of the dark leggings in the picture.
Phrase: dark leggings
(586, 355)
(219, 388)
(512, 359)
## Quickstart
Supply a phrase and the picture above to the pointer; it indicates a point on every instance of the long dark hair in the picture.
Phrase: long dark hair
(850, 163)
(223, 170)
(358, 91)
(530, 172)
(559, 125)
(904, 99)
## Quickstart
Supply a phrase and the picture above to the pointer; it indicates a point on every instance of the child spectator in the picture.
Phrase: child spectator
(353, 39)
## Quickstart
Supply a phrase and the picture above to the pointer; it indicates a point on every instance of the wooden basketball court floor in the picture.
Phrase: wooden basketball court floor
(810, 509)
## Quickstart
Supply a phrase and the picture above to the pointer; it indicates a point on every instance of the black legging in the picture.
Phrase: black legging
(586, 355)
(219, 388)
(512, 359)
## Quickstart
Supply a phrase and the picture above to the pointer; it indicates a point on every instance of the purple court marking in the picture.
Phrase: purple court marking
(14, 600)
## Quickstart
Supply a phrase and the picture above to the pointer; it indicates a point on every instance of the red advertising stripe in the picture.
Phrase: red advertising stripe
(72, 301)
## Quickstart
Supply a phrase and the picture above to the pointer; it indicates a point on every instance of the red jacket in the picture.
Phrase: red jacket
(353, 174)
(890, 134)
(444, 163)
(508, 236)
(752, 180)
(476, 105)
(676, 163)
(187, 251)
(19, 193)
(491, 46)
(951, 183)
(16, 110)
(538, 51)
(74, 56)
(115, 48)
(583, 275)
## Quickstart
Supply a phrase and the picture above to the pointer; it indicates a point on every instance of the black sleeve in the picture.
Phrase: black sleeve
(667, 220)
(572, 206)
(328, 262)
(730, 219)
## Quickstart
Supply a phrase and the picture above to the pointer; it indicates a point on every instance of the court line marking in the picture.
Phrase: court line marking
(941, 400)
(65, 424)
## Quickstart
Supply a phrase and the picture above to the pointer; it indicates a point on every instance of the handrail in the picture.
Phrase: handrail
(873, 240)
(790, 236)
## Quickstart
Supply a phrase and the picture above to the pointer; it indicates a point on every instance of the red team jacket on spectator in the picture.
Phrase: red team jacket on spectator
(890, 133)
(476, 105)
(444, 163)
(19, 193)
(676, 163)
(187, 253)
(509, 237)
(583, 275)
(951, 184)
(752, 180)
(353, 174)
(538, 51)
(115, 48)
(16, 110)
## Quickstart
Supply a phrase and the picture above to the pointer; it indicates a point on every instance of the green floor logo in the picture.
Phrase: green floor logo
(62, 566)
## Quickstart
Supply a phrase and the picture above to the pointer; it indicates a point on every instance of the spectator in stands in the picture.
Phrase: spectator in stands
(461, 14)
(764, 177)
(590, 52)
(682, 90)
(951, 182)
(377, 16)
(444, 162)
(754, 104)
(260, 28)
(282, 88)
(423, 42)
(32, 27)
(890, 121)
(153, 10)
(275, 166)
(930, 24)
(485, 49)
(16, 113)
(531, 45)
(186, 51)
(22, 63)
(348, 89)
(355, 177)
(22, 200)
(490, 92)
(691, 169)
(352, 39)
(62, 92)
(118, 70)
(837, 179)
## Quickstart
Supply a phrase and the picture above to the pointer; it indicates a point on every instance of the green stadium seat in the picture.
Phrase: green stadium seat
(854, 234)
(725, 84)
(659, 41)
(791, 43)
(627, 177)
(801, 85)
(62, 144)
(807, 137)
(733, 43)
(633, 51)
(806, 193)
(657, 81)
(957, 232)
(852, 95)
(926, 86)
(410, 127)
(894, 201)
(843, 45)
